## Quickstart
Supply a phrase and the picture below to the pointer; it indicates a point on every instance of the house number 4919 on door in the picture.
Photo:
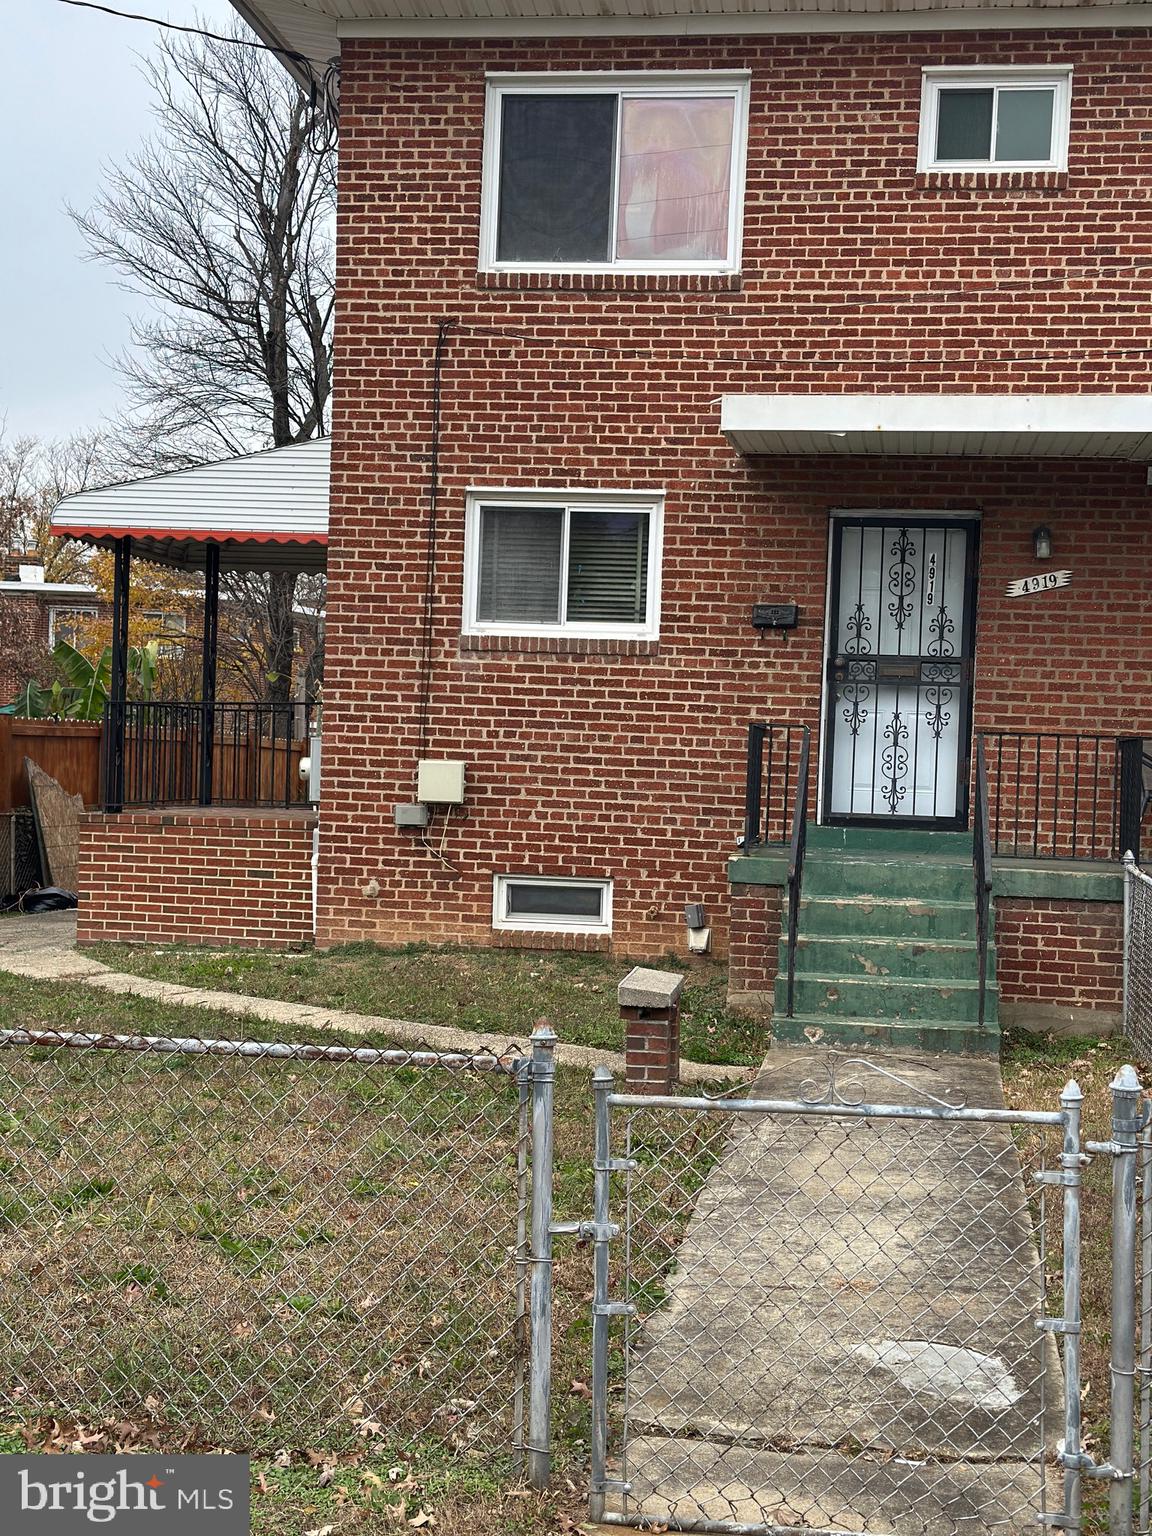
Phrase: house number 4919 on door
(1047, 581)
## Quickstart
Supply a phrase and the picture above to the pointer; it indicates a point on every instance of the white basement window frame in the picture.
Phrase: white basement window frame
(511, 891)
(729, 85)
(1054, 80)
(563, 504)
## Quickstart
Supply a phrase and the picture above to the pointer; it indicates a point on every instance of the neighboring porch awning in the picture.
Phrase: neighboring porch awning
(264, 511)
(942, 426)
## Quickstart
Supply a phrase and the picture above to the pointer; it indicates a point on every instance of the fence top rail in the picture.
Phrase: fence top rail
(838, 1111)
(507, 1062)
(1136, 872)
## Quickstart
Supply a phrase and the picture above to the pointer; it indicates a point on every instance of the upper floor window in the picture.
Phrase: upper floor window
(629, 173)
(75, 625)
(539, 563)
(1004, 120)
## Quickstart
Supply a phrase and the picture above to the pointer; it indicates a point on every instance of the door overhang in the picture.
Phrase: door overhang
(1115, 427)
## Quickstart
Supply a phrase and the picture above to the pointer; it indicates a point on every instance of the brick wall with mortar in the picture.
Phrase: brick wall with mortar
(197, 877)
(858, 275)
(1059, 958)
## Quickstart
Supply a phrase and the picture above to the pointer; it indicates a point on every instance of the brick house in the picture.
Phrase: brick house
(699, 371)
(34, 614)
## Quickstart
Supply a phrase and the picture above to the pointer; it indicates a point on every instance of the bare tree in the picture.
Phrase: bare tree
(34, 475)
(224, 221)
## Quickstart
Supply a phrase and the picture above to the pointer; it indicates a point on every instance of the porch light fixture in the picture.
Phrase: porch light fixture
(1042, 542)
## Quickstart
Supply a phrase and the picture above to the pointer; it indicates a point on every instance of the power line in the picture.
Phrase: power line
(175, 26)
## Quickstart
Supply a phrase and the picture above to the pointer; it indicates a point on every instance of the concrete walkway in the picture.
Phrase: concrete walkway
(43, 947)
(847, 1340)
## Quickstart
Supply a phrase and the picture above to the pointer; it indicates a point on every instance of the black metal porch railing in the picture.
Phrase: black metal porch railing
(774, 753)
(982, 871)
(195, 754)
(796, 852)
(1059, 795)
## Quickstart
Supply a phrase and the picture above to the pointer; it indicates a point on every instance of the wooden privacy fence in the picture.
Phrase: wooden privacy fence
(67, 750)
(160, 768)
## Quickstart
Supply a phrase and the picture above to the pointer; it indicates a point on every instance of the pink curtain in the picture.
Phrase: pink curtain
(675, 173)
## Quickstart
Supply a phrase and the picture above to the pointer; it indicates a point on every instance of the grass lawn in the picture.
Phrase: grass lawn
(497, 992)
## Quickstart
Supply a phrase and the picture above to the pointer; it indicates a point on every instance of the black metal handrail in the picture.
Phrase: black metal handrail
(182, 753)
(774, 751)
(982, 870)
(796, 853)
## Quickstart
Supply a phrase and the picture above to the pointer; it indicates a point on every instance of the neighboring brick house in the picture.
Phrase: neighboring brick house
(703, 369)
(34, 613)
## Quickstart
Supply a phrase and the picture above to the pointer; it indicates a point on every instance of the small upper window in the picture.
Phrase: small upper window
(626, 172)
(1013, 120)
(543, 565)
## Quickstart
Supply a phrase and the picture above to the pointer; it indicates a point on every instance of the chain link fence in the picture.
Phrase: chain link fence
(1138, 958)
(265, 1244)
(833, 1320)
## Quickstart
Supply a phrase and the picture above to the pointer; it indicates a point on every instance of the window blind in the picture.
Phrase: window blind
(608, 568)
(520, 558)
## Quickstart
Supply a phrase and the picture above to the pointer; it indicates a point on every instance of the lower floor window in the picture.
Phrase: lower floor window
(529, 901)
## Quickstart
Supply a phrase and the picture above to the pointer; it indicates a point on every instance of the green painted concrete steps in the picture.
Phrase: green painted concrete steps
(886, 952)
(887, 917)
(889, 957)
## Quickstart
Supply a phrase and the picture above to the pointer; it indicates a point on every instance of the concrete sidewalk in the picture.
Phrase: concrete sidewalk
(43, 948)
(847, 1339)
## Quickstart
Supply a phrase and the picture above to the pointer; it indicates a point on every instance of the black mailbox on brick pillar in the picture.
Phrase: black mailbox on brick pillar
(650, 1007)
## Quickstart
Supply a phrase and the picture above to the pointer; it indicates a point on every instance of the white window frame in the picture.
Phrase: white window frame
(564, 501)
(1057, 78)
(550, 923)
(719, 82)
(62, 610)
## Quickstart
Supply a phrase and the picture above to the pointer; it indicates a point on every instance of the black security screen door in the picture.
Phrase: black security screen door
(899, 683)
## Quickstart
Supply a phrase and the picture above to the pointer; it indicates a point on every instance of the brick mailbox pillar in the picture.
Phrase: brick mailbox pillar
(650, 1007)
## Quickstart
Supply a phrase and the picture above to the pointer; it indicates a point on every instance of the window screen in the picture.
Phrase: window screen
(608, 567)
(964, 125)
(557, 159)
(520, 559)
(573, 901)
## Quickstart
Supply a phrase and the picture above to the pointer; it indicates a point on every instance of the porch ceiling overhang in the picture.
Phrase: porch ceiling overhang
(265, 511)
(1117, 427)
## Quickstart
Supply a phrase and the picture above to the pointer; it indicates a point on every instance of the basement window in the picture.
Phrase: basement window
(1007, 120)
(606, 172)
(574, 563)
(552, 905)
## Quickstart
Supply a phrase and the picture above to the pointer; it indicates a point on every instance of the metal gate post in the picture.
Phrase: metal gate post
(539, 1442)
(601, 1321)
(1126, 1116)
(1145, 1420)
(1071, 1164)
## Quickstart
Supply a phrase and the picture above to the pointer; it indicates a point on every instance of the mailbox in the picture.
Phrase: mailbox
(774, 615)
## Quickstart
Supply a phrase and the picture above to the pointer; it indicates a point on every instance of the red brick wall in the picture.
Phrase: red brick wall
(1063, 954)
(754, 937)
(197, 877)
(859, 275)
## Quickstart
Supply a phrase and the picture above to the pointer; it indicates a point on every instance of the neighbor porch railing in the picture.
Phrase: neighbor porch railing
(188, 754)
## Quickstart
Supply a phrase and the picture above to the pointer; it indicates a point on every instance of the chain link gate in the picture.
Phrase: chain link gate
(849, 1312)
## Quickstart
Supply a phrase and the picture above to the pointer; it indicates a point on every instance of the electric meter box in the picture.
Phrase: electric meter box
(439, 782)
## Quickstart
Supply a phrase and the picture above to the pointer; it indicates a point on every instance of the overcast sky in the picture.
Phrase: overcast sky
(73, 101)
